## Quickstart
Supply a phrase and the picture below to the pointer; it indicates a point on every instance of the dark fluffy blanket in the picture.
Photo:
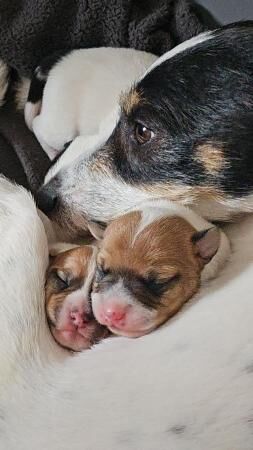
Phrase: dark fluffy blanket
(33, 29)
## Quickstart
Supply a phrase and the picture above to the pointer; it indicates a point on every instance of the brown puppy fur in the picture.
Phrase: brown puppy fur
(145, 274)
(68, 307)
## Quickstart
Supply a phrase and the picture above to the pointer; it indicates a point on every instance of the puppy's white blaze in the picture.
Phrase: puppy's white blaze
(81, 295)
(194, 41)
(155, 209)
(91, 269)
(116, 291)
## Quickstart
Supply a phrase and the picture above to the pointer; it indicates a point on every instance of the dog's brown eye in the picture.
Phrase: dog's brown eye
(142, 133)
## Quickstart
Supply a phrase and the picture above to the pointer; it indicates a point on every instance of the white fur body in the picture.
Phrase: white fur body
(187, 386)
(81, 91)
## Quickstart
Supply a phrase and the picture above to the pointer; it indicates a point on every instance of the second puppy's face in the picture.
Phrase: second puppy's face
(68, 306)
(145, 274)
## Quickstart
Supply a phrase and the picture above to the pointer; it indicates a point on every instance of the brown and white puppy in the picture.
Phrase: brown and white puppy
(68, 306)
(151, 261)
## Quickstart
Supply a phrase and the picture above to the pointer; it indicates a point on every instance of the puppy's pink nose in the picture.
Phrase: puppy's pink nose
(114, 314)
(78, 318)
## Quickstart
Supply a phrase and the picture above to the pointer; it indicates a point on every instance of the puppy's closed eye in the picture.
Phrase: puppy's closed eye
(60, 279)
(159, 286)
(101, 272)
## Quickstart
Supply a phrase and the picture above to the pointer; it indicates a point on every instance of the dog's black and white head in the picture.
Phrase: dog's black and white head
(185, 132)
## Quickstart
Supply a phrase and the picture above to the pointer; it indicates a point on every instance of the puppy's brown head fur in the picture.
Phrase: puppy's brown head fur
(67, 290)
(66, 273)
(158, 266)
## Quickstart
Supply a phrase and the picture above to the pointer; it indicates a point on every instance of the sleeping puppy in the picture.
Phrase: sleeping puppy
(67, 290)
(185, 132)
(73, 92)
(151, 261)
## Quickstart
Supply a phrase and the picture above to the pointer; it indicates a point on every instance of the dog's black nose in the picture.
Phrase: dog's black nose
(46, 199)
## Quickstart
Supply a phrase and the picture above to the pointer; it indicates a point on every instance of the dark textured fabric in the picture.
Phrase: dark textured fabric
(10, 164)
(33, 29)
(21, 157)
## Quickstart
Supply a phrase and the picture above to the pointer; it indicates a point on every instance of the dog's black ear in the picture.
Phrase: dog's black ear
(97, 229)
(207, 243)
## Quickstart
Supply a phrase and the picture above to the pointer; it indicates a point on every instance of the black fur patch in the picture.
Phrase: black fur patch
(203, 94)
(38, 82)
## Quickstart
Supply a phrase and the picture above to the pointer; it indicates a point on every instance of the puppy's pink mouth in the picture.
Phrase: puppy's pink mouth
(79, 338)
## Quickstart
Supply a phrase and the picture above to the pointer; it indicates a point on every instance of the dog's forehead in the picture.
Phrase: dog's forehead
(136, 96)
(190, 43)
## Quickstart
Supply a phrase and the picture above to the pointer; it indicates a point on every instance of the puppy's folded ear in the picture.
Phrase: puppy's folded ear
(207, 243)
(97, 229)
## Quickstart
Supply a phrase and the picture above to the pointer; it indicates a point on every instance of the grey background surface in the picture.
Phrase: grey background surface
(229, 10)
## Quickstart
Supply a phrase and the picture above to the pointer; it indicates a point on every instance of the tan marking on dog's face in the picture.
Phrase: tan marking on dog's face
(74, 263)
(163, 248)
(182, 193)
(102, 163)
(211, 157)
(168, 190)
(130, 101)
